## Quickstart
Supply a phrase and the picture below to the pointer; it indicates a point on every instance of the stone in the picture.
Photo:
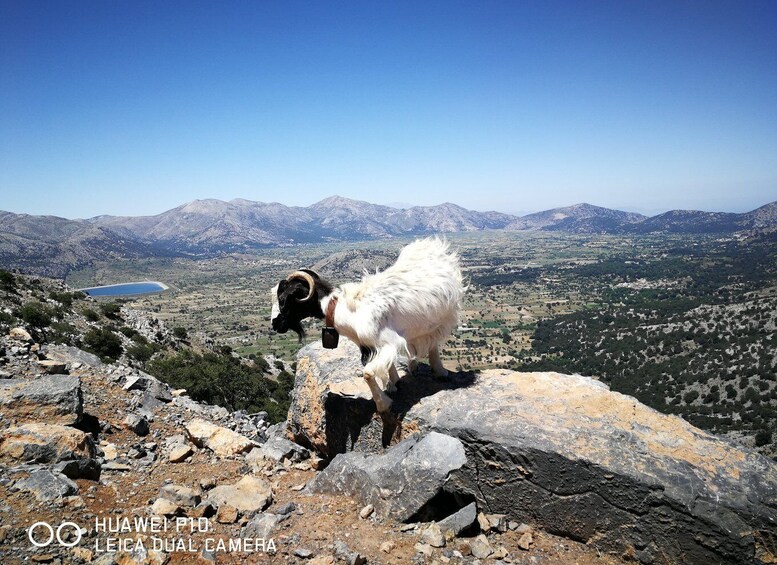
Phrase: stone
(110, 451)
(226, 514)
(399, 482)
(45, 443)
(349, 556)
(555, 450)
(137, 424)
(498, 522)
(54, 399)
(459, 521)
(387, 546)
(116, 466)
(181, 495)
(79, 469)
(250, 494)
(433, 536)
(525, 541)
(303, 553)
(20, 334)
(179, 453)
(262, 525)
(164, 507)
(73, 355)
(484, 523)
(322, 560)
(221, 441)
(46, 485)
(366, 512)
(52, 367)
(149, 384)
(279, 449)
(480, 547)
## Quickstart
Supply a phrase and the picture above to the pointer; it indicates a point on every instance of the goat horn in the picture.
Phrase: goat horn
(308, 279)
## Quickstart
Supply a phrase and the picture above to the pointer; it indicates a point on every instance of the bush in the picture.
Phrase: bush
(7, 281)
(64, 298)
(219, 378)
(763, 437)
(104, 343)
(142, 352)
(111, 310)
(36, 315)
(180, 332)
(90, 315)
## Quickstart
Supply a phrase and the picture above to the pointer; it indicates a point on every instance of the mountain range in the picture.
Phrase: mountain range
(52, 246)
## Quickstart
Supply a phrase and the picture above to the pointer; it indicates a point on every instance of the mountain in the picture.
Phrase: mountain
(580, 218)
(51, 246)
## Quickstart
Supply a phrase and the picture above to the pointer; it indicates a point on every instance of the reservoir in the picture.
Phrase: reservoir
(126, 289)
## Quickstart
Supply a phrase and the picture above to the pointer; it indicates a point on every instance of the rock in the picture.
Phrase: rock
(110, 451)
(322, 560)
(45, 443)
(179, 453)
(484, 523)
(53, 367)
(73, 355)
(424, 549)
(399, 482)
(154, 387)
(226, 514)
(480, 547)
(287, 508)
(497, 522)
(79, 469)
(366, 512)
(116, 466)
(20, 334)
(433, 536)
(55, 399)
(303, 553)
(522, 528)
(459, 521)
(46, 485)
(280, 449)
(248, 495)
(554, 450)
(181, 495)
(165, 507)
(387, 546)
(525, 541)
(222, 441)
(346, 554)
(262, 525)
(137, 424)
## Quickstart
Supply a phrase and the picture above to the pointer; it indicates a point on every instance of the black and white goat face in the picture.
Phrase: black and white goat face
(294, 299)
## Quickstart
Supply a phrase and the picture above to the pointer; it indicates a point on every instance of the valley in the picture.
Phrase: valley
(685, 323)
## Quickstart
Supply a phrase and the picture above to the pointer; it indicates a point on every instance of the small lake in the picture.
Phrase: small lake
(126, 289)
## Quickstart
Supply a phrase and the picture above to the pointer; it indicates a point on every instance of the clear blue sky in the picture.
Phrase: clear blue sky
(132, 107)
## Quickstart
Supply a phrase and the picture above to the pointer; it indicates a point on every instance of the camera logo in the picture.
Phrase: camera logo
(42, 534)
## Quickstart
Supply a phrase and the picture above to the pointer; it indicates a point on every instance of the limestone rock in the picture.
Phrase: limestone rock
(262, 525)
(222, 441)
(248, 495)
(136, 423)
(46, 485)
(179, 452)
(20, 334)
(399, 482)
(52, 367)
(433, 536)
(45, 443)
(181, 495)
(279, 449)
(555, 450)
(55, 399)
(164, 507)
(459, 521)
(72, 355)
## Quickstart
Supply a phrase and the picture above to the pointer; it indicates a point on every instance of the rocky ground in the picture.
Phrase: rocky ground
(134, 472)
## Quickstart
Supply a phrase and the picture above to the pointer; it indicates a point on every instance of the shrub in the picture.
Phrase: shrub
(142, 352)
(90, 315)
(7, 280)
(180, 332)
(104, 343)
(111, 310)
(64, 298)
(36, 314)
(763, 437)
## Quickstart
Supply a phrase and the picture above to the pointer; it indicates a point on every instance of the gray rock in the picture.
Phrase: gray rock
(480, 547)
(137, 424)
(555, 450)
(181, 495)
(151, 385)
(71, 355)
(46, 485)
(345, 553)
(460, 520)
(79, 469)
(248, 495)
(45, 443)
(262, 525)
(433, 536)
(399, 482)
(54, 399)
(281, 449)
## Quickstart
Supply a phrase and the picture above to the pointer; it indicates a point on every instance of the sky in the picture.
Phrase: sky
(133, 107)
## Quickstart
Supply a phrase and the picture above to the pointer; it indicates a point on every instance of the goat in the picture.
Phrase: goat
(408, 309)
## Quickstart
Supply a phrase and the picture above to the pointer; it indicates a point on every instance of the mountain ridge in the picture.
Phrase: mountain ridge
(53, 245)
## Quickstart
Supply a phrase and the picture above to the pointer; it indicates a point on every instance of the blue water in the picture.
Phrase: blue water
(128, 289)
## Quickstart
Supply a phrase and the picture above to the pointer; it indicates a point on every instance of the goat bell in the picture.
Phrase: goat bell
(329, 338)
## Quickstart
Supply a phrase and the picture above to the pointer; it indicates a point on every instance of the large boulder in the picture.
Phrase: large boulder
(55, 399)
(562, 452)
(399, 482)
(45, 443)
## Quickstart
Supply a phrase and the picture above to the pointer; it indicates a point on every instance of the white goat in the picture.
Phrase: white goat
(408, 309)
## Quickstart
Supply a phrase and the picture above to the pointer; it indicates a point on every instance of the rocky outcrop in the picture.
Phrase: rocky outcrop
(55, 399)
(562, 452)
